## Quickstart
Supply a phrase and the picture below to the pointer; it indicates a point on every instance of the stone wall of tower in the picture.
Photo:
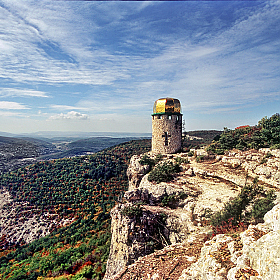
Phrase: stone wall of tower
(166, 133)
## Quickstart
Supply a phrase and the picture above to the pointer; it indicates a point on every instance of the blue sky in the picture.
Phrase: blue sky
(99, 66)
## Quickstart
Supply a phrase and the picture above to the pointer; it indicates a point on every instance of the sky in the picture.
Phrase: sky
(94, 66)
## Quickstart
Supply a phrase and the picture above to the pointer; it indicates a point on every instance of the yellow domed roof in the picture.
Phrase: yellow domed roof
(167, 106)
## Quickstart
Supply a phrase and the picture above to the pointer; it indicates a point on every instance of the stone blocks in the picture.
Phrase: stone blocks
(166, 133)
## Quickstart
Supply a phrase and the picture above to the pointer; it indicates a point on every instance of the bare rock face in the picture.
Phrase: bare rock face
(20, 223)
(120, 252)
(171, 215)
(153, 194)
(264, 163)
(135, 172)
(263, 252)
(263, 170)
(253, 255)
(214, 260)
(136, 232)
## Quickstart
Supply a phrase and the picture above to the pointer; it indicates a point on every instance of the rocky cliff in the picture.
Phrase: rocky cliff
(160, 231)
(21, 223)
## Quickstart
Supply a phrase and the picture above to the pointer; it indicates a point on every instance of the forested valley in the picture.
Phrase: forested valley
(81, 189)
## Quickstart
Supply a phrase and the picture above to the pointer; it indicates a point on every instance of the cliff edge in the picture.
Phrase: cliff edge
(161, 230)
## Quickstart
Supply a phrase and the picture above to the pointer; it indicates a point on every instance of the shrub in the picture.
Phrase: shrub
(145, 160)
(199, 158)
(268, 155)
(229, 228)
(132, 211)
(158, 158)
(263, 205)
(171, 200)
(275, 146)
(265, 134)
(234, 209)
(264, 159)
(181, 160)
(190, 153)
(163, 172)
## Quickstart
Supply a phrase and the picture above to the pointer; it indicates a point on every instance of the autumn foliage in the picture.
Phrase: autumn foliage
(84, 188)
(264, 135)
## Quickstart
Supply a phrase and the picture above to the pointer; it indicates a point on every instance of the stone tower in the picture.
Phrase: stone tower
(166, 126)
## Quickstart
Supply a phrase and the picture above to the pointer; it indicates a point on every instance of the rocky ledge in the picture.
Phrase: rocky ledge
(160, 231)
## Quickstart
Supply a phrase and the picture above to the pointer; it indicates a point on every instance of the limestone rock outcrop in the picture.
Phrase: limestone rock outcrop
(171, 217)
(264, 163)
(254, 256)
(136, 171)
(21, 223)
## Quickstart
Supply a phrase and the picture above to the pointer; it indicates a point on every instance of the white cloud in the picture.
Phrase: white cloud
(52, 43)
(8, 105)
(14, 92)
(239, 66)
(69, 116)
(66, 107)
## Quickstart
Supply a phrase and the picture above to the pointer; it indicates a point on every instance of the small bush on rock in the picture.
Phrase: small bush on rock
(275, 146)
(163, 172)
(190, 153)
(171, 200)
(263, 205)
(132, 211)
(200, 158)
(235, 210)
(145, 160)
(181, 160)
(229, 228)
(158, 158)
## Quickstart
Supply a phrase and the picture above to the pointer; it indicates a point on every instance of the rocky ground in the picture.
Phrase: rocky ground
(252, 255)
(21, 223)
(185, 248)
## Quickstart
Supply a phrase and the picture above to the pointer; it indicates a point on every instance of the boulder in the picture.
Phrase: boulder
(263, 170)
(135, 172)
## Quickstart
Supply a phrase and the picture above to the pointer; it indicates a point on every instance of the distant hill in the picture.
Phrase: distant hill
(207, 135)
(85, 146)
(44, 144)
(15, 152)
(95, 144)
(193, 139)
(16, 148)
(62, 135)
(20, 151)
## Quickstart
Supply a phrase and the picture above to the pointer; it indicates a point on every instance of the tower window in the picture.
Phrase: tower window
(166, 136)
